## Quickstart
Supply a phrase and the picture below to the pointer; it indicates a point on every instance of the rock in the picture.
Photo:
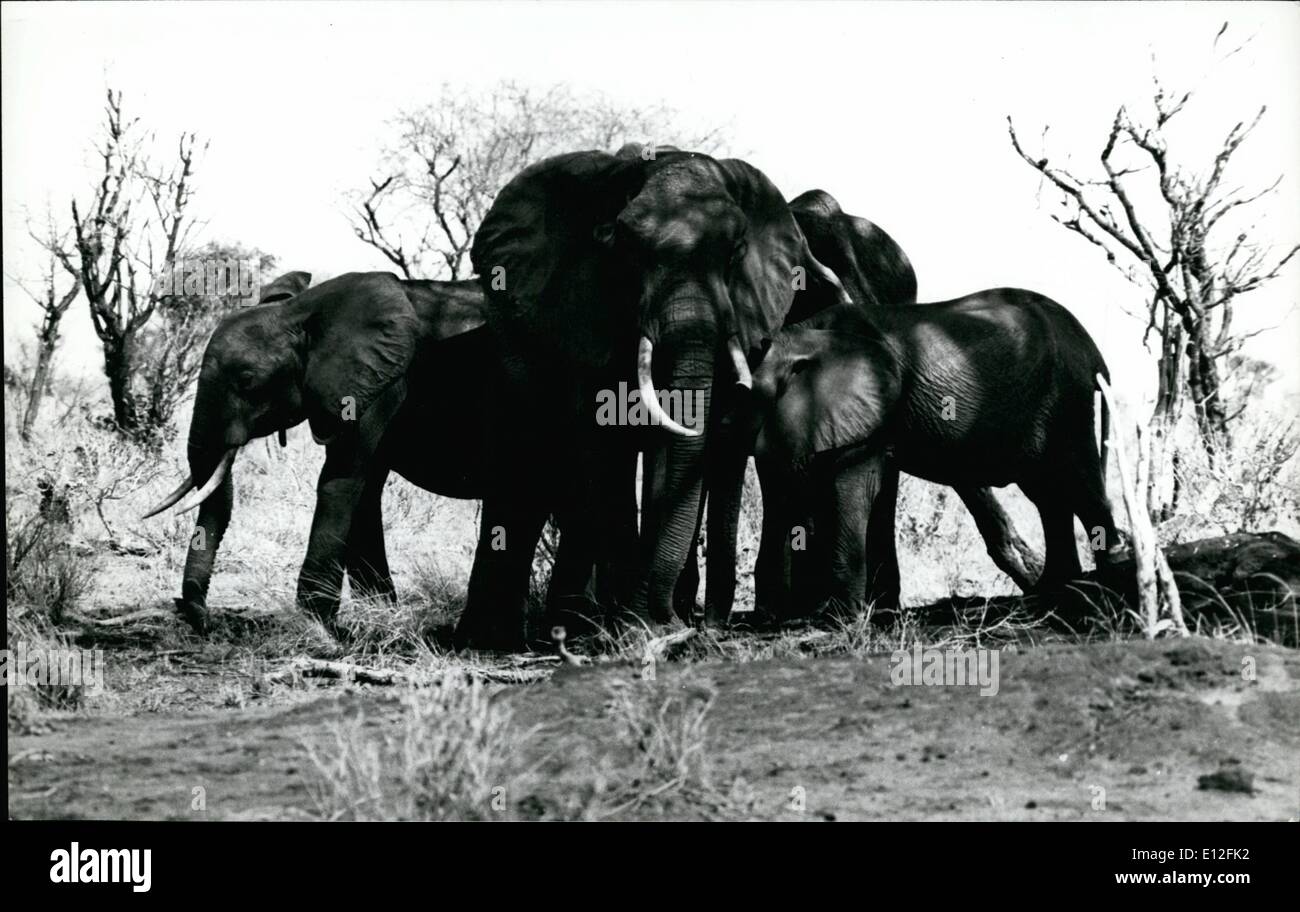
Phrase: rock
(1231, 777)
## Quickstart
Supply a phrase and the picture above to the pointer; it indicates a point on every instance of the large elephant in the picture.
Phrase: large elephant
(991, 389)
(662, 270)
(390, 375)
(875, 272)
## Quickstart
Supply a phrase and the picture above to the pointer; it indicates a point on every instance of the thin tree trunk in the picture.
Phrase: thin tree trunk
(40, 380)
(1205, 386)
(1162, 498)
(118, 368)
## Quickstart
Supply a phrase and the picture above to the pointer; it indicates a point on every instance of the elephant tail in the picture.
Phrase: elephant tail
(1103, 420)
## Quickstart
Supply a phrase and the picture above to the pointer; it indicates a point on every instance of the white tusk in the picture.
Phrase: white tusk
(218, 475)
(743, 376)
(171, 498)
(646, 385)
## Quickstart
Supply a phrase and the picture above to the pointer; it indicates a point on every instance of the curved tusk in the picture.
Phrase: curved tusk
(743, 376)
(171, 498)
(218, 475)
(646, 385)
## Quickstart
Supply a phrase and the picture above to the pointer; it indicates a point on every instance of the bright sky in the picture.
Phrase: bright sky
(897, 109)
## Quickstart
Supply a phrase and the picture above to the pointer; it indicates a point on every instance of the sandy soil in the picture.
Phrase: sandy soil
(815, 739)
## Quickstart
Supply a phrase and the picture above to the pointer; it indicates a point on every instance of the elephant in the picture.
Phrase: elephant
(990, 389)
(875, 272)
(391, 375)
(654, 270)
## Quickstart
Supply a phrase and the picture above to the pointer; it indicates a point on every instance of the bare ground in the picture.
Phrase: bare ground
(1117, 730)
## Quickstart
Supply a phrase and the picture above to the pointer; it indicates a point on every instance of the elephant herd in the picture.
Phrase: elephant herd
(790, 327)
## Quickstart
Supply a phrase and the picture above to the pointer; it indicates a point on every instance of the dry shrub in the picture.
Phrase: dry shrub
(26, 702)
(1252, 486)
(43, 575)
(451, 759)
(666, 728)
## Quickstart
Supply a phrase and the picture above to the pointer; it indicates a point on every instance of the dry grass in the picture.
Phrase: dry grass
(449, 760)
(666, 727)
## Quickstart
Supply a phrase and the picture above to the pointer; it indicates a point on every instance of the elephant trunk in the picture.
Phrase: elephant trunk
(214, 517)
(210, 462)
(674, 472)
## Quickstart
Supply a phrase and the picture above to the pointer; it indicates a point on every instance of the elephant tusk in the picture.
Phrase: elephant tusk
(743, 376)
(646, 385)
(218, 476)
(171, 498)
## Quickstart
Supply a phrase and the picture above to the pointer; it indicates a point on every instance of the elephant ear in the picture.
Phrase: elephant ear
(872, 266)
(363, 333)
(536, 240)
(287, 286)
(763, 283)
(840, 389)
(446, 309)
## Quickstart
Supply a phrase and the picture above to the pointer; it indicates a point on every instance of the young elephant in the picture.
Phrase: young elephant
(988, 390)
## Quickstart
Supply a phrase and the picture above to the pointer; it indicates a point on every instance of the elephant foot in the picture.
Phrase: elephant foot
(489, 638)
(495, 642)
(708, 616)
(843, 610)
(195, 614)
(686, 607)
(689, 611)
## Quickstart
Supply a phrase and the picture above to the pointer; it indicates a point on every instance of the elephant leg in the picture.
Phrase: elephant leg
(367, 558)
(1062, 561)
(805, 574)
(1092, 505)
(772, 582)
(567, 601)
(726, 485)
(338, 493)
(617, 561)
(494, 614)
(884, 586)
(843, 517)
(687, 591)
(1012, 554)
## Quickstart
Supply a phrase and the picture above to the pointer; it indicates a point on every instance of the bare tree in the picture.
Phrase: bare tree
(134, 228)
(54, 303)
(1190, 248)
(442, 170)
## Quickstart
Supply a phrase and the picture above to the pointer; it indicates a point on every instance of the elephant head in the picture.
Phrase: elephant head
(335, 355)
(690, 261)
(874, 269)
(821, 389)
